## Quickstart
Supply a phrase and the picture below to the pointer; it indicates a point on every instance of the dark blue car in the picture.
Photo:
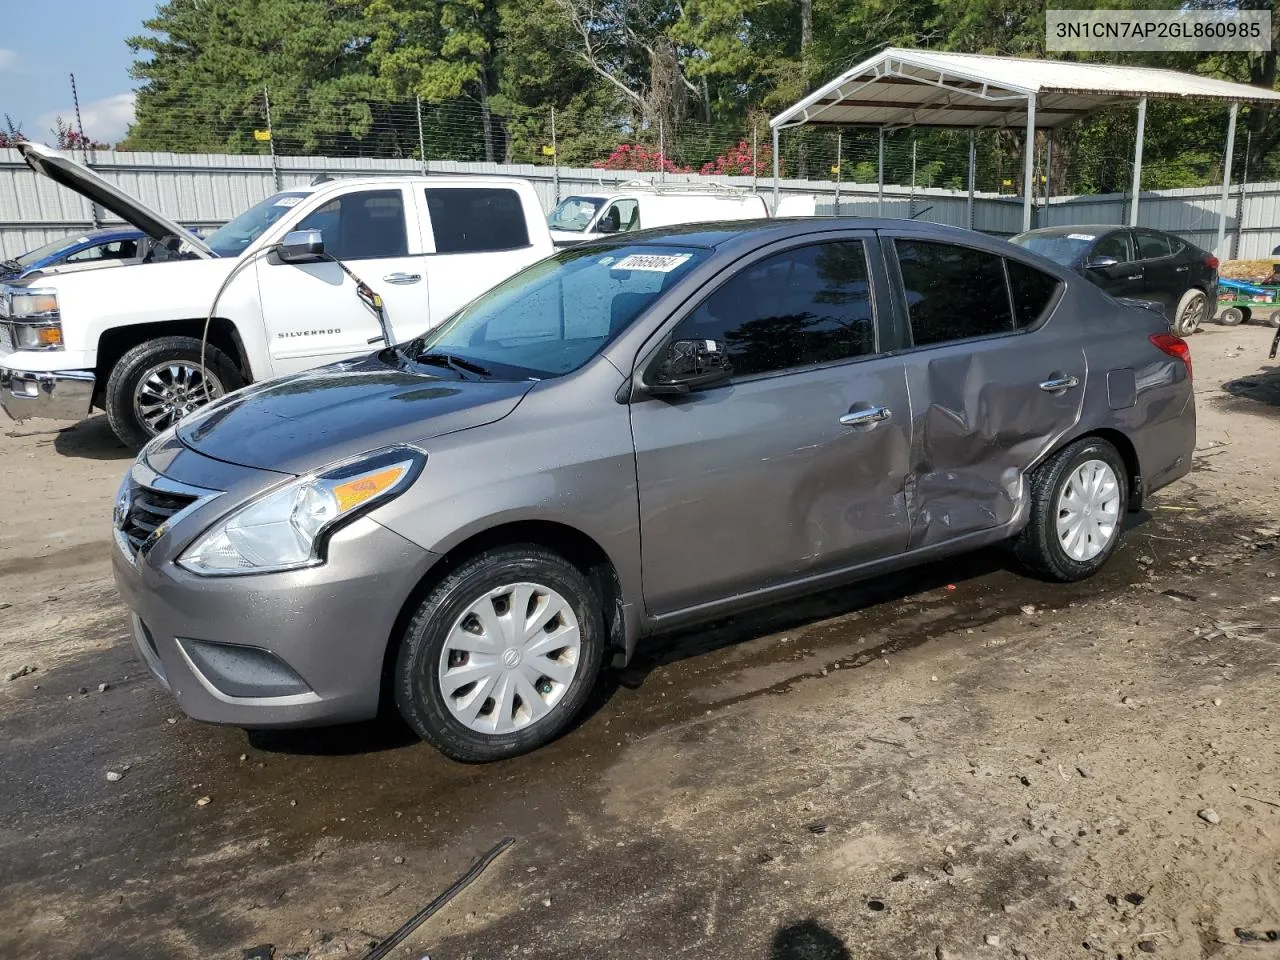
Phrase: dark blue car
(111, 244)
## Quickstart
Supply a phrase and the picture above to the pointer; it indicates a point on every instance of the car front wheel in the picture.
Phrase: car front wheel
(1078, 501)
(501, 654)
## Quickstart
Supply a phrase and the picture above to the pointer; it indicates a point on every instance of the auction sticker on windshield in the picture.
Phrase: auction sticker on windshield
(288, 202)
(655, 263)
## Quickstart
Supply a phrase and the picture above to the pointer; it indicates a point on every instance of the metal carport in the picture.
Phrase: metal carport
(922, 88)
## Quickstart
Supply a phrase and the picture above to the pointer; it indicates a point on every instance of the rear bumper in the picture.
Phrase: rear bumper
(56, 395)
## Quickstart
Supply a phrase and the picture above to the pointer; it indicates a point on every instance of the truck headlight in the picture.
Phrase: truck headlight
(35, 320)
(288, 527)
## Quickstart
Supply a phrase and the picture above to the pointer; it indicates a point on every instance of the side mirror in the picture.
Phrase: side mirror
(1100, 263)
(688, 365)
(607, 225)
(301, 246)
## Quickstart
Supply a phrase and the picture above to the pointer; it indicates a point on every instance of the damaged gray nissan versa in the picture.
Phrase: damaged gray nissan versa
(628, 436)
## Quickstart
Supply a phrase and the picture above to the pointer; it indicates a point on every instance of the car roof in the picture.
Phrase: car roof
(720, 233)
(124, 231)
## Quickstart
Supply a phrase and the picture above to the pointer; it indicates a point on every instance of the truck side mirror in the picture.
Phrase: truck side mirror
(301, 246)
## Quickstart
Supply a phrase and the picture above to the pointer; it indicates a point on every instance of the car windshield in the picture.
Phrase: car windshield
(231, 239)
(1063, 248)
(50, 248)
(574, 213)
(552, 317)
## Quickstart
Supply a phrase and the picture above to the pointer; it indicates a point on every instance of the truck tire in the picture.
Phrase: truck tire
(158, 382)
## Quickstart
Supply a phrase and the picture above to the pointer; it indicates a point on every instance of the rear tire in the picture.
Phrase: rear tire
(1079, 497)
(136, 413)
(1231, 317)
(478, 677)
(1190, 312)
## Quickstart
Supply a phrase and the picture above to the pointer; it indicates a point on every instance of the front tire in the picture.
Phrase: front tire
(1190, 312)
(501, 654)
(1079, 497)
(158, 382)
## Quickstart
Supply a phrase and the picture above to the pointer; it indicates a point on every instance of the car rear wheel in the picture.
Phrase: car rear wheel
(159, 382)
(1231, 317)
(501, 654)
(1078, 501)
(1190, 312)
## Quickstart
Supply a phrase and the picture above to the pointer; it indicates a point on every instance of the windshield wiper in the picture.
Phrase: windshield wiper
(11, 265)
(452, 362)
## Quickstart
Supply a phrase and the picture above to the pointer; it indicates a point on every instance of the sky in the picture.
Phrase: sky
(42, 43)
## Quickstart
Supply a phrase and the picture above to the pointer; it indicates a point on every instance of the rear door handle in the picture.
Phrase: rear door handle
(1136, 276)
(402, 278)
(1059, 383)
(866, 418)
(1182, 269)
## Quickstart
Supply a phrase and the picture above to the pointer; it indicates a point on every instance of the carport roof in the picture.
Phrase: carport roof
(921, 88)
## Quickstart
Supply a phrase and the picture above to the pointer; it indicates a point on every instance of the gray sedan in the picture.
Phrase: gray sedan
(630, 436)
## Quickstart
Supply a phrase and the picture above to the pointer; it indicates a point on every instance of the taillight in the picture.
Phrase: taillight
(1174, 347)
(1211, 262)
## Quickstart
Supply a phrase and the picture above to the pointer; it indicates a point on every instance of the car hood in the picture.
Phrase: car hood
(300, 423)
(63, 170)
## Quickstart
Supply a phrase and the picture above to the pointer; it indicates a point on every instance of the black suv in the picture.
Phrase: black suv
(1137, 263)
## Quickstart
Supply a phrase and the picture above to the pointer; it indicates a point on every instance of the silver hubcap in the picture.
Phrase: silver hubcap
(1088, 510)
(510, 658)
(1190, 318)
(169, 391)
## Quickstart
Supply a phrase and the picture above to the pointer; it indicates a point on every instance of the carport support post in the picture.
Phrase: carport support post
(969, 204)
(1029, 162)
(1221, 249)
(1137, 162)
(880, 176)
(775, 171)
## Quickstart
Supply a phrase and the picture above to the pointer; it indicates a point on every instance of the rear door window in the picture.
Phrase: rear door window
(952, 292)
(476, 219)
(1152, 246)
(364, 225)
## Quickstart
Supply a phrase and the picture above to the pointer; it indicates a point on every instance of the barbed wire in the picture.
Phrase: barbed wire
(465, 130)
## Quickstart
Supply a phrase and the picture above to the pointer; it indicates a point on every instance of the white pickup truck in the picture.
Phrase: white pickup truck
(128, 339)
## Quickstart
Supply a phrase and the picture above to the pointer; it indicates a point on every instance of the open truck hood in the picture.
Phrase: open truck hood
(63, 170)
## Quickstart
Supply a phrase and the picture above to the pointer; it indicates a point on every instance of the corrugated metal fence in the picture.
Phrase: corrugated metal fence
(206, 190)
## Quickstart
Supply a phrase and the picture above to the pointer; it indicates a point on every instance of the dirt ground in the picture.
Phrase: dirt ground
(958, 762)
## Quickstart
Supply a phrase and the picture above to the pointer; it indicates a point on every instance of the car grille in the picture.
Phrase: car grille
(148, 510)
(6, 337)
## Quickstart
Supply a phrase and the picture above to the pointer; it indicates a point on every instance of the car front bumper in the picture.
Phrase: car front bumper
(295, 648)
(56, 395)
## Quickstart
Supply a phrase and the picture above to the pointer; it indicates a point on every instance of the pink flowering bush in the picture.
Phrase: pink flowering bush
(736, 162)
(636, 156)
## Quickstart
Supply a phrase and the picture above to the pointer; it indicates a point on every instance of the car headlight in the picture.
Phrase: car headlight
(36, 323)
(288, 527)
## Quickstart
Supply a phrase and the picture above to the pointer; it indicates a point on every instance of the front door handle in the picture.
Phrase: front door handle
(866, 418)
(402, 278)
(1059, 383)
(1136, 276)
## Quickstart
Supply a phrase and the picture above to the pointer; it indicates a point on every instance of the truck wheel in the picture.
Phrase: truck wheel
(1273, 318)
(1191, 310)
(1078, 501)
(159, 382)
(1231, 317)
(501, 655)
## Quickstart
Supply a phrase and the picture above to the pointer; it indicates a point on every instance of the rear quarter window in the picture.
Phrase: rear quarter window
(1033, 291)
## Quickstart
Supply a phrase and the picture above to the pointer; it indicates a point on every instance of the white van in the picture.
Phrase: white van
(588, 216)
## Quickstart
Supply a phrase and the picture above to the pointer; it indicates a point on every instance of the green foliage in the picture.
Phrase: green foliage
(344, 75)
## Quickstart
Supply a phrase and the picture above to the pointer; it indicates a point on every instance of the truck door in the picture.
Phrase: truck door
(311, 312)
(476, 237)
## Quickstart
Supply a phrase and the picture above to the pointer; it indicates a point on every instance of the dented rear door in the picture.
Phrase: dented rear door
(996, 380)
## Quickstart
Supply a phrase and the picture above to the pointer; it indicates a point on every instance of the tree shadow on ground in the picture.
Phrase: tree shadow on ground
(807, 940)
